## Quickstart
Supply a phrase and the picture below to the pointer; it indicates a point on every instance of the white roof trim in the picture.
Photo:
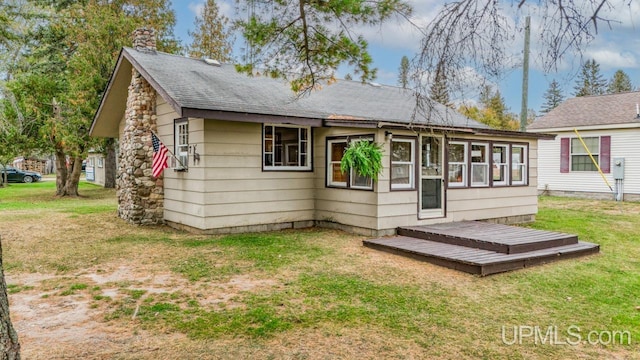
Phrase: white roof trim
(590, 127)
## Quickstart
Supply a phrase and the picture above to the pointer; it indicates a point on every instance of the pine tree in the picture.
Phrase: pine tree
(403, 72)
(590, 81)
(620, 82)
(493, 111)
(306, 41)
(211, 37)
(553, 97)
(439, 91)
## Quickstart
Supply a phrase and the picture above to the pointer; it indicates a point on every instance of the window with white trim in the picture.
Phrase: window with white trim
(479, 164)
(500, 165)
(402, 164)
(580, 160)
(350, 179)
(518, 165)
(100, 162)
(181, 144)
(457, 159)
(286, 147)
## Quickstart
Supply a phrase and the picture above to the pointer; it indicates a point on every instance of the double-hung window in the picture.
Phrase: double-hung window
(286, 147)
(181, 149)
(457, 158)
(580, 160)
(500, 166)
(518, 165)
(350, 179)
(402, 164)
(479, 164)
(575, 157)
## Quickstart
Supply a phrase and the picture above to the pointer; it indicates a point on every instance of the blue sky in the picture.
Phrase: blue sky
(614, 48)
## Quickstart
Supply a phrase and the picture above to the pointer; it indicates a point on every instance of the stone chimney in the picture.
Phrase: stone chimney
(140, 195)
(144, 39)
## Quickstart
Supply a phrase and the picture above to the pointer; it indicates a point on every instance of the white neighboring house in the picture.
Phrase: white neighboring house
(610, 127)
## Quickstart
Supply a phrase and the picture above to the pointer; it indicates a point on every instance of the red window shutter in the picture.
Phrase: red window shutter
(564, 155)
(605, 154)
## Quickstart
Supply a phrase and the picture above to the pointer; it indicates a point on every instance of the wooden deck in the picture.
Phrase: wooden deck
(482, 248)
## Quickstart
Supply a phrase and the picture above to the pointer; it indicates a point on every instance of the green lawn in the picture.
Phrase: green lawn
(319, 294)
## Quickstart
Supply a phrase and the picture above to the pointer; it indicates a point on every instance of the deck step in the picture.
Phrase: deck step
(486, 236)
(475, 260)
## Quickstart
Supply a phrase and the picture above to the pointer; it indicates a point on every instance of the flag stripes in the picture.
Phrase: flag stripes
(159, 156)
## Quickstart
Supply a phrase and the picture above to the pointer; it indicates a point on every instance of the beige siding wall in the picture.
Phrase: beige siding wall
(228, 187)
(624, 144)
(345, 206)
(183, 191)
(236, 191)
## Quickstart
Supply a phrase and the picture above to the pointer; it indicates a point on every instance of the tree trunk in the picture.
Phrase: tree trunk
(61, 172)
(73, 179)
(110, 164)
(9, 345)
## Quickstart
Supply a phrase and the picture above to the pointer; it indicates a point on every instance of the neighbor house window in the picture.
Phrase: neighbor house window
(457, 159)
(580, 160)
(518, 165)
(100, 162)
(500, 166)
(402, 164)
(286, 147)
(181, 147)
(349, 179)
(479, 164)
(574, 156)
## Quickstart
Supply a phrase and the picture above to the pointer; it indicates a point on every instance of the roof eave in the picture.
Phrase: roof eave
(250, 117)
(102, 124)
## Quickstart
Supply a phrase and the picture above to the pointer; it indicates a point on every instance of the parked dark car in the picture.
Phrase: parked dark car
(17, 175)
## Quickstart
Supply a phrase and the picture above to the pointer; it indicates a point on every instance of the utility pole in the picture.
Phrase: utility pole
(525, 75)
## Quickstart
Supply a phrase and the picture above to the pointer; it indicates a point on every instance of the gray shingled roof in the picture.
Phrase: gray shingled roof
(592, 111)
(194, 84)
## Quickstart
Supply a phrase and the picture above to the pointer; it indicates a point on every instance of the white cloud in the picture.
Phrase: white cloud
(225, 8)
(612, 59)
(196, 8)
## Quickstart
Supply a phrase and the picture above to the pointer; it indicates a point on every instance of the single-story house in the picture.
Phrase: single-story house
(609, 125)
(251, 157)
(94, 168)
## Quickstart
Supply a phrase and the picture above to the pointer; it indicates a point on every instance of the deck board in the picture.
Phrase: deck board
(482, 248)
(495, 237)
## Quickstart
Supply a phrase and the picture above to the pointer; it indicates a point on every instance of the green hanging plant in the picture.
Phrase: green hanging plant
(364, 157)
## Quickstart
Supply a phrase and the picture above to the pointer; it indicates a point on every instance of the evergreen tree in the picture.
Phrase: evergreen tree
(590, 80)
(492, 111)
(620, 82)
(439, 91)
(553, 97)
(306, 41)
(211, 37)
(403, 72)
(65, 67)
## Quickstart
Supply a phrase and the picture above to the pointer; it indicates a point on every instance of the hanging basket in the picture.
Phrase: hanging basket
(365, 157)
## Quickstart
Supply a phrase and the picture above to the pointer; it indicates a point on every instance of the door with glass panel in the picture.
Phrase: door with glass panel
(431, 177)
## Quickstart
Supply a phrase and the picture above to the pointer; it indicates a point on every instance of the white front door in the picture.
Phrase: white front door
(431, 177)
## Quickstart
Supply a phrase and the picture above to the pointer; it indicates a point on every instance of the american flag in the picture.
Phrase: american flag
(159, 156)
